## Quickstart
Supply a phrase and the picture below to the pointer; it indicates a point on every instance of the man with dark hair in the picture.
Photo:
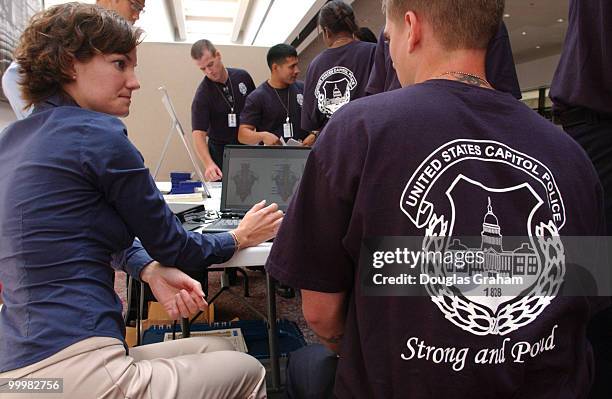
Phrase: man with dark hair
(412, 170)
(274, 109)
(216, 106)
(499, 65)
(128, 9)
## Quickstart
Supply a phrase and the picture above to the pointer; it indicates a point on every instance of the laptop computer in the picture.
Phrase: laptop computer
(255, 173)
(191, 216)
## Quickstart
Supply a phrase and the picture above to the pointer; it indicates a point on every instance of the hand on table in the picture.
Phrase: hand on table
(309, 140)
(270, 139)
(260, 224)
(213, 173)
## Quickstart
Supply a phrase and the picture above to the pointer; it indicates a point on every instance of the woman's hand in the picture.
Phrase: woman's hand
(179, 294)
(260, 224)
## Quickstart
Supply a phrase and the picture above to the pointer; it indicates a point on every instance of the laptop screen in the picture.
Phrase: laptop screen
(255, 173)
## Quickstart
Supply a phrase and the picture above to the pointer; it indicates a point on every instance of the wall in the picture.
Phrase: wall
(537, 73)
(170, 65)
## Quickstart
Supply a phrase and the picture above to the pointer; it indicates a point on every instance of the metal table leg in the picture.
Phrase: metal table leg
(272, 333)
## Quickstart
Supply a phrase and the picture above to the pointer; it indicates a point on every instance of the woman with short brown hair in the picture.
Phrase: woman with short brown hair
(74, 193)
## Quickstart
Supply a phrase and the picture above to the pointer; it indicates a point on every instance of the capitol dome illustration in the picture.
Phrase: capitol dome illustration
(491, 232)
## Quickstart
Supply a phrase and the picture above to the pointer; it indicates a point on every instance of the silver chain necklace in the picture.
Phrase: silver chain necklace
(479, 78)
(229, 89)
(281, 101)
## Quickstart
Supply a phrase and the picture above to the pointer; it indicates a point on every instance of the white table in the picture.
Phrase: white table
(254, 256)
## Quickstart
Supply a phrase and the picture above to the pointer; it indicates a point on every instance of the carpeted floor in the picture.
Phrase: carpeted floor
(228, 308)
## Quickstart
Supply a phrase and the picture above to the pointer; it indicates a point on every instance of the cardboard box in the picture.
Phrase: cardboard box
(157, 316)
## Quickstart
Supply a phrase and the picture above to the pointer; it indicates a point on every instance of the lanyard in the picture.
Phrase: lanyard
(281, 101)
(231, 87)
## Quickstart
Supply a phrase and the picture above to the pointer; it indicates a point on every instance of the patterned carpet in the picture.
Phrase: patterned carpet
(228, 308)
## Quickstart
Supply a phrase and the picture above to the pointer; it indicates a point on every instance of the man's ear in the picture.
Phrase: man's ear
(414, 27)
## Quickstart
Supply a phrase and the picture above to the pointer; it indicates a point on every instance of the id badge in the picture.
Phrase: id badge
(288, 130)
(231, 120)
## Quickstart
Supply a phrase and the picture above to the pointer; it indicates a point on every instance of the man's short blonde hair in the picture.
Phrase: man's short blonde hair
(458, 24)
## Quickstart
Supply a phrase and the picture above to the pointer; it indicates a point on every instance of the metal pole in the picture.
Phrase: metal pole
(185, 327)
(273, 333)
(164, 150)
(139, 331)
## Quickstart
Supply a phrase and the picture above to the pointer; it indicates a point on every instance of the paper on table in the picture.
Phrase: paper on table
(290, 142)
(194, 197)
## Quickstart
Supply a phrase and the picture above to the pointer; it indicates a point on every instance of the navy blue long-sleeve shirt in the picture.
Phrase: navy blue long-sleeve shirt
(74, 192)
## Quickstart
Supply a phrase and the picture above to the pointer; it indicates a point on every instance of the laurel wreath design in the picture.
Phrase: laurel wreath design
(477, 318)
(321, 103)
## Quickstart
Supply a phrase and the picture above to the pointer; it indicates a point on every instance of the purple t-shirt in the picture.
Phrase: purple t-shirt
(210, 107)
(499, 66)
(383, 76)
(583, 77)
(335, 77)
(461, 167)
(266, 109)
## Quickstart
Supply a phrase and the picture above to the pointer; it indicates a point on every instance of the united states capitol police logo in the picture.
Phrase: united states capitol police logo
(334, 89)
(532, 203)
(242, 88)
(300, 99)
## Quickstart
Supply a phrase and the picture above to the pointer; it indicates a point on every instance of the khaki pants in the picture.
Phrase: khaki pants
(187, 368)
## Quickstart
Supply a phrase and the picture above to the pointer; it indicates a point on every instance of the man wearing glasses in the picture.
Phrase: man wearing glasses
(128, 9)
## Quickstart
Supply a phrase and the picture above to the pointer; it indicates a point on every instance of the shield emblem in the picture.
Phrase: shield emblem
(497, 222)
(243, 89)
(514, 230)
(336, 93)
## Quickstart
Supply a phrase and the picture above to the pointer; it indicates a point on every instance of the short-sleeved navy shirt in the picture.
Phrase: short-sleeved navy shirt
(266, 109)
(583, 77)
(335, 77)
(461, 168)
(499, 66)
(210, 107)
(383, 76)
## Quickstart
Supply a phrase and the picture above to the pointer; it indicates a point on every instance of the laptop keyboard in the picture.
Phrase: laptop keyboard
(225, 224)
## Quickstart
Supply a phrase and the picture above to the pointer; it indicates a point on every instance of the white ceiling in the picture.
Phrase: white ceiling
(537, 27)
(245, 22)
(544, 23)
